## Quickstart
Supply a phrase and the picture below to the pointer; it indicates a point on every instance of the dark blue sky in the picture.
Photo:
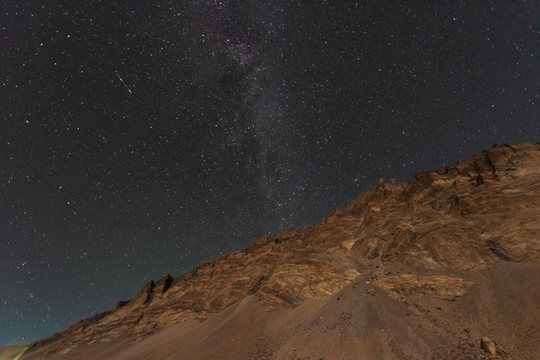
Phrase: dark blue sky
(142, 138)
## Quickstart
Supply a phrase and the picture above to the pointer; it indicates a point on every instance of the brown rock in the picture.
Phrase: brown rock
(488, 346)
(442, 287)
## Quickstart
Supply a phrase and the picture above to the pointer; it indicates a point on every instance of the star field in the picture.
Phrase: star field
(142, 138)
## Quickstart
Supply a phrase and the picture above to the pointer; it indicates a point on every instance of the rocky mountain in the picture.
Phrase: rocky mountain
(444, 267)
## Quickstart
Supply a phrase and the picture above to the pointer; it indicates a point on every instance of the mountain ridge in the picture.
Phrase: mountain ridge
(418, 239)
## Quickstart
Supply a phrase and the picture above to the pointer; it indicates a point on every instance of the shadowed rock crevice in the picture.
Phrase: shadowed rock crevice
(167, 283)
(148, 292)
(497, 250)
(258, 285)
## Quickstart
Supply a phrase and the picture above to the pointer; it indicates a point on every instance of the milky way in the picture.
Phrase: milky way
(142, 138)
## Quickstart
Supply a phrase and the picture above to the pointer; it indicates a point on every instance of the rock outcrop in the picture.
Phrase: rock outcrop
(412, 247)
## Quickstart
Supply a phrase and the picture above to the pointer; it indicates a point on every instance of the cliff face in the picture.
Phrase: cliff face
(433, 238)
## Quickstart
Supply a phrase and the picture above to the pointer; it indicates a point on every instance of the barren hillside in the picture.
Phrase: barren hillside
(419, 270)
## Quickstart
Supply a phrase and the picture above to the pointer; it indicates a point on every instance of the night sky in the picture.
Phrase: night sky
(139, 138)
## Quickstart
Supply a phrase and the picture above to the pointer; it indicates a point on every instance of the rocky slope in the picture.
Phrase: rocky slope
(415, 270)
